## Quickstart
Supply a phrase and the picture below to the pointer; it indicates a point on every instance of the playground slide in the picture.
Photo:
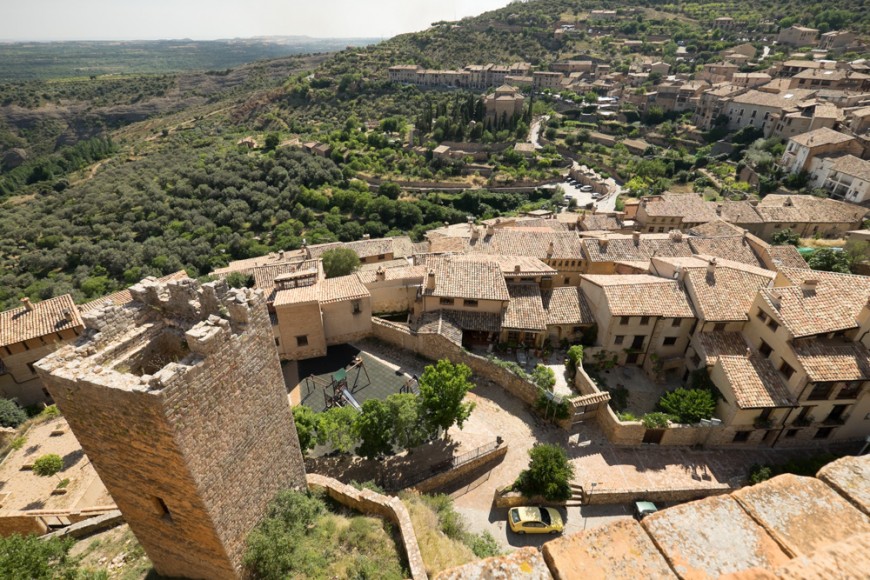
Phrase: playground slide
(349, 398)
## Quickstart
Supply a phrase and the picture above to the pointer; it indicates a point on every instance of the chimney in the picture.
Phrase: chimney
(711, 267)
(551, 249)
(602, 244)
(581, 218)
(380, 274)
(430, 280)
(675, 235)
(636, 237)
(281, 254)
(788, 202)
(748, 352)
(719, 207)
(475, 233)
(490, 230)
(809, 286)
(67, 315)
(367, 236)
(516, 268)
(753, 202)
(27, 304)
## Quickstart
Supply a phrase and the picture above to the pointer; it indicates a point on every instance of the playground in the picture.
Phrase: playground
(348, 376)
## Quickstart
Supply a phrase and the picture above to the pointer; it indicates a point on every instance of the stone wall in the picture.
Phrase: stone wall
(370, 502)
(21, 523)
(436, 347)
(442, 479)
(179, 402)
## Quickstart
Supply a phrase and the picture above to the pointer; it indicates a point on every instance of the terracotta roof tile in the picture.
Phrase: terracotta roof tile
(469, 279)
(510, 265)
(726, 293)
(734, 248)
(623, 248)
(49, 316)
(712, 345)
(821, 136)
(413, 274)
(824, 361)
(342, 288)
(755, 382)
(566, 305)
(786, 257)
(525, 310)
(643, 295)
(689, 206)
(541, 243)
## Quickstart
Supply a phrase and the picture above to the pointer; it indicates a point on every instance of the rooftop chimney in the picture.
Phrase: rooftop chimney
(719, 207)
(27, 304)
(380, 274)
(551, 249)
(281, 254)
(517, 268)
(636, 237)
(367, 236)
(475, 233)
(810, 286)
(675, 235)
(490, 230)
(67, 315)
(711, 266)
(748, 352)
(602, 244)
(430, 280)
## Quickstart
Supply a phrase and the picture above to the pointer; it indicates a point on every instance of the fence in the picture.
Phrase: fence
(451, 464)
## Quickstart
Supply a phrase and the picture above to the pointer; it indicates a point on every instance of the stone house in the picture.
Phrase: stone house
(505, 103)
(836, 40)
(672, 211)
(642, 320)
(29, 333)
(754, 108)
(802, 150)
(797, 36)
(847, 178)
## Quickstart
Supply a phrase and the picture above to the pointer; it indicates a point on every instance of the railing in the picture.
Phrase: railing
(835, 420)
(412, 479)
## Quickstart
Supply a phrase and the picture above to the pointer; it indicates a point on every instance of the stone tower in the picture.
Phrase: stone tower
(178, 399)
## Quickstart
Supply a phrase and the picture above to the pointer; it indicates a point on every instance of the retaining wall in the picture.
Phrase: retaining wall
(370, 502)
(442, 479)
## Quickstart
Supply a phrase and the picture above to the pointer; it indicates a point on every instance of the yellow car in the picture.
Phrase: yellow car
(533, 520)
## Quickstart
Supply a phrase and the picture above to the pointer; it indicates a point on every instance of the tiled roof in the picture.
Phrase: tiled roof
(297, 295)
(386, 264)
(821, 136)
(269, 259)
(726, 294)
(734, 248)
(786, 257)
(438, 322)
(468, 279)
(525, 310)
(643, 295)
(465, 320)
(691, 207)
(851, 165)
(566, 305)
(362, 248)
(716, 229)
(808, 208)
(446, 244)
(264, 276)
(342, 288)
(535, 242)
(782, 100)
(599, 221)
(123, 297)
(823, 361)
(712, 345)
(740, 212)
(623, 248)
(52, 315)
(755, 382)
(834, 305)
(403, 247)
(409, 273)
(510, 265)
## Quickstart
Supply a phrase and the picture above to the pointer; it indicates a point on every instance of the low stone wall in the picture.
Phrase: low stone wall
(632, 432)
(626, 496)
(370, 502)
(21, 523)
(510, 499)
(442, 479)
(435, 347)
(89, 526)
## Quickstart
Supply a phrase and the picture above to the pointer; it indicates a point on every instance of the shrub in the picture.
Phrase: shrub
(48, 465)
(63, 483)
(759, 473)
(626, 416)
(688, 405)
(656, 420)
(32, 557)
(548, 407)
(50, 411)
(575, 357)
(339, 262)
(544, 377)
(18, 442)
(549, 474)
(483, 545)
(786, 237)
(11, 415)
(306, 426)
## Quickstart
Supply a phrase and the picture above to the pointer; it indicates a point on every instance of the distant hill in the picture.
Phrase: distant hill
(20, 61)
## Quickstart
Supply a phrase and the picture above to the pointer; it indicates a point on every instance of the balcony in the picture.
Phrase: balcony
(802, 422)
(833, 421)
(763, 424)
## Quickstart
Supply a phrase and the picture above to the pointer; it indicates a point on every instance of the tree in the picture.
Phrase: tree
(11, 415)
(786, 237)
(240, 280)
(34, 558)
(306, 426)
(443, 387)
(272, 141)
(688, 405)
(335, 426)
(408, 429)
(48, 465)
(339, 262)
(544, 377)
(549, 474)
(375, 429)
(829, 260)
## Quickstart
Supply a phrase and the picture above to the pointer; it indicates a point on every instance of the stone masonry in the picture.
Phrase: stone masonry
(178, 400)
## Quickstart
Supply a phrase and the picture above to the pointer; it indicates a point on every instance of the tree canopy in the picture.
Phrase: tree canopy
(443, 387)
(339, 262)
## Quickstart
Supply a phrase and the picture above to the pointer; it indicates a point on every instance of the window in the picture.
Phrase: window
(446, 302)
(618, 339)
(623, 320)
(823, 433)
(567, 280)
(772, 324)
(277, 341)
(357, 306)
(791, 433)
(820, 392)
(661, 230)
(765, 349)
(470, 303)
(669, 341)
(577, 329)
(644, 320)
(786, 370)
(676, 322)
(741, 437)
(32, 368)
(850, 389)
(381, 256)
(762, 315)
(302, 340)
(719, 327)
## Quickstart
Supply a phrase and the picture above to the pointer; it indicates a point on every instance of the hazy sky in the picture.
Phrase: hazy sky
(210, 19)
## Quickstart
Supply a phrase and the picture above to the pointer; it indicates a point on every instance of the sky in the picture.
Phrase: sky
(44, 20)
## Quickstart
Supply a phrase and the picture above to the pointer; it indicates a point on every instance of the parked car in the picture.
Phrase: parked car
(586, 188)
(535, 520)
(644, 508)
(522, 359)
